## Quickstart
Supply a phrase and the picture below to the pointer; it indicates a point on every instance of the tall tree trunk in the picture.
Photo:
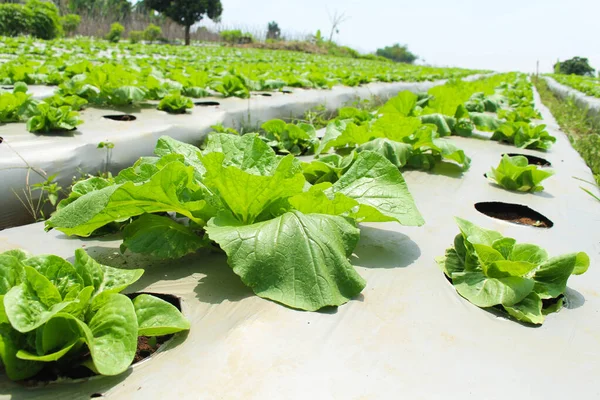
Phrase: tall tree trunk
(187, 35)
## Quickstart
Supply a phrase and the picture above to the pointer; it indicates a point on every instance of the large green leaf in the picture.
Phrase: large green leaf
(58, 271)
(10, 274)
(318, 274)
(58, 336)
(160, 237)
(159, 194)
(102, 277)
(112, 333)
(156, 317)
(551, 277)
(377, 185)
(247, 152)
(247, 195)
(11, 342)
(33, 302)
(487, 292)
(528, 310)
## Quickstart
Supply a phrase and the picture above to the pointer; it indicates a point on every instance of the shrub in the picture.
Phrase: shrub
(236, 37)
(576, 65)
(45, 20)
(116, 31)
(152, 33)
(14, 19)
(136, 36)
(397, 53)
(70, 23)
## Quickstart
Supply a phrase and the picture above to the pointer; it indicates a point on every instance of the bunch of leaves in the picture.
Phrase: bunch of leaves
(290, 138)
(231, 85)
(72, 314)
(46, 118)
(524, 135)
(515, 173)
(397, 134)
(175, 103)
(75, 102)
(491, 270)
(287, 240)
(480, 102)
(16, 106)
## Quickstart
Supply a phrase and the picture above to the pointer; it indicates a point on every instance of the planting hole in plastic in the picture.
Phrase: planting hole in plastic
(207, 103)
(145, 349)
(286, 91)
(265, 94)
(532, 160)
(515, 213)
(122, 118)
(8, 87)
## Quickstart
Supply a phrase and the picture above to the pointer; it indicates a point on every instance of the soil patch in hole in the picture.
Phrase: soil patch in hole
(146, 347)
(533, 160)
(8, 87)
(286, 92)
(122, 118)
(207, 103)
(265, 94)
(515, 213)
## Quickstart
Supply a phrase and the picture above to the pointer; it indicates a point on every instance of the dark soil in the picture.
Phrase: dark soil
(515, 213)
(123, 118)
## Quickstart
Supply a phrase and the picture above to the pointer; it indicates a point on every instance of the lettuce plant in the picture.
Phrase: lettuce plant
(289, 138)
(491, 270)
(524, 135)
(16, 106)
(287, 240)
(396, 133)
(515, 173)
(72, 314)
(53, 119)
(175, 103)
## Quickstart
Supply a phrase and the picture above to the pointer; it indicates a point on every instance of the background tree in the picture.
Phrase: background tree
(273, 31)
(187, 12)
(576, 65)
(397, 53)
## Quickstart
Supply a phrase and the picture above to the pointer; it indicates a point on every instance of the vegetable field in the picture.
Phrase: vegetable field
(364, 247)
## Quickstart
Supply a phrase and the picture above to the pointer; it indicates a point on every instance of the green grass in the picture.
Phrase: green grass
(583, 133)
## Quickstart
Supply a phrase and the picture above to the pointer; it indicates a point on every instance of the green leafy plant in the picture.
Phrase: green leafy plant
(16, 106)
(152, 33)
(515, 173)
(491, 270)
(70, 23)
(75, 102)
(53, 119)
(524, 135)
(72, 314)
(231, 85)
(289, 138)
(136, 36)
(115, 33)
(256, 206)
(236, 37)
(175, 103)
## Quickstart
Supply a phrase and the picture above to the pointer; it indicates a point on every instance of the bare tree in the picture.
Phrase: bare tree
(336, 20)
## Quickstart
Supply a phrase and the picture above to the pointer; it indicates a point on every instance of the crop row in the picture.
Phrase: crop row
(585, 84)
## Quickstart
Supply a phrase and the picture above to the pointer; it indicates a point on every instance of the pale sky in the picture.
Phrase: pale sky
(504, 35)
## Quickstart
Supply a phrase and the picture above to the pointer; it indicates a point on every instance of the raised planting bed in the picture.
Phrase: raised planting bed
(133, 132)
(584, 101)
(406, 328)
